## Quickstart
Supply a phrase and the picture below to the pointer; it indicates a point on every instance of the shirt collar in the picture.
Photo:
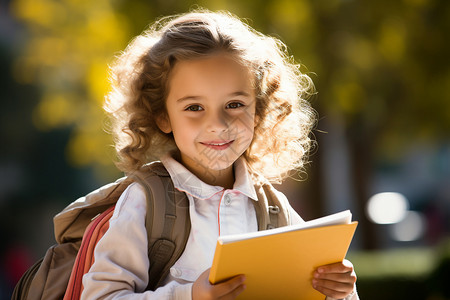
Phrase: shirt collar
(187, 182)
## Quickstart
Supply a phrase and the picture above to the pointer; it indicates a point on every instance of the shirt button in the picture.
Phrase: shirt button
(227, 199)
(176, 272)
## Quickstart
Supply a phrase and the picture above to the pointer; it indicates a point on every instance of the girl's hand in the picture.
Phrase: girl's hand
(230, 289)
(335, 280)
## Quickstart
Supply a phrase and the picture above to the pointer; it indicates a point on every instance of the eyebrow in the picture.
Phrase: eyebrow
(240, 93)
(193, 97)
(185, 98)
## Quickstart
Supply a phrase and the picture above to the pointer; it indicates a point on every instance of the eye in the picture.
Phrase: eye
(234, 105)
(194, 107)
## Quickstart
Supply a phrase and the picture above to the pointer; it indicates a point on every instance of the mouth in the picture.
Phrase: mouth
(217, 145)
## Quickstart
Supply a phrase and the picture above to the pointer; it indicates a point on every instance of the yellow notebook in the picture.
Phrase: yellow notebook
(279, 263)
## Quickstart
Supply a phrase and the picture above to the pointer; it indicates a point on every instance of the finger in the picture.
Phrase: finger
(234, 293)
(228, 286)
(340, 267)
(333, 285)
(349, 277)
(336, 294)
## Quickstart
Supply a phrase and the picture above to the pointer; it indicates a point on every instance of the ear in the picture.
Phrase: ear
(163, 123)
(256, 121)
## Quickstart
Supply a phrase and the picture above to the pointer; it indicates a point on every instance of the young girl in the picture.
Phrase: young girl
(223, 107)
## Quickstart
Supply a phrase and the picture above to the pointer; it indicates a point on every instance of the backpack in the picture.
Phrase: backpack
(80, 226)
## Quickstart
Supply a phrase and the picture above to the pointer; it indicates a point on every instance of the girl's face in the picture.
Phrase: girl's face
(211, 112)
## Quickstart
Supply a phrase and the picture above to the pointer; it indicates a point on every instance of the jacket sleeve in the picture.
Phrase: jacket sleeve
(294, 216)
(120, 270)
(352, 296)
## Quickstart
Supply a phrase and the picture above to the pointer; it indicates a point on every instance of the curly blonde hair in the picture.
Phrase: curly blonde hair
(140, 83)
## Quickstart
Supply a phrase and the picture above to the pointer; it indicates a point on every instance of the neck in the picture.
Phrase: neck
(223, 178)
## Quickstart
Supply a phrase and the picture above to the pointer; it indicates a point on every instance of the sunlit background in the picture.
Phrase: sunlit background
(382, 73)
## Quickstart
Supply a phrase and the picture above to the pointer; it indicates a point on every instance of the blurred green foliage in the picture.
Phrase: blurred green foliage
(380, 68)
(380, 65)
(408, 273)
(68, 47)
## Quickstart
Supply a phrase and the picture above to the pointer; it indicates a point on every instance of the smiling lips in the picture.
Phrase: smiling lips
(218, 145)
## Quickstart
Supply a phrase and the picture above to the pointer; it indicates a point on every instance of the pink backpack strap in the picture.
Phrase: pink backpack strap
(85, 257)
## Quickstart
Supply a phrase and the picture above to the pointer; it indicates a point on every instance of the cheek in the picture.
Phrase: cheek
(183, 141)
(250, 134)
(245, 128)
(184, 130)
(251, 126)
(247, 120)
(183, 124)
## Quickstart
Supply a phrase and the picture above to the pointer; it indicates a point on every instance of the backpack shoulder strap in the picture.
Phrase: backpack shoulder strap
(271, 207)
(70, 223)
(167, 221)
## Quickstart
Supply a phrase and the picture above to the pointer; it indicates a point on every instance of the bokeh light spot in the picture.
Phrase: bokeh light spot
(411, 228)
(387, 208)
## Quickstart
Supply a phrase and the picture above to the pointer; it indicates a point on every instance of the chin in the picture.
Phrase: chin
(219, 167)
(221, 164)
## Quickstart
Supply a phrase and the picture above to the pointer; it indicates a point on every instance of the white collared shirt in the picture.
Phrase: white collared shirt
(212, 210)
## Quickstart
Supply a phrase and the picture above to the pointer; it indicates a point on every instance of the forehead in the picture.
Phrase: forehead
(216, 73)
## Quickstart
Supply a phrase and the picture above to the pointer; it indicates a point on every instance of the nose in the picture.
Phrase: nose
(217, 122)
